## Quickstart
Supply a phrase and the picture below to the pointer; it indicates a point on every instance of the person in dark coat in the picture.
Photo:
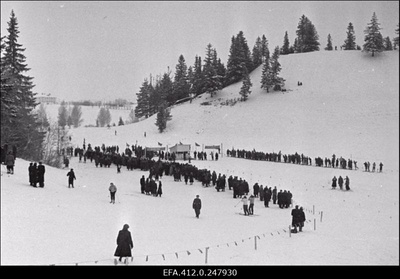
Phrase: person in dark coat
(197, 205)
(267, 196)
(334, 179)
(256, 189)
(159, 190)
(40, 174)
(295, 218)
(274, 195)
(142, 184)
(347, 183)
(10, 161)
(113, 190)
(31, 177)
(71, 177)
(34, 175)
(340, 181)
(191, 178)
(302, 219)
(124, 243)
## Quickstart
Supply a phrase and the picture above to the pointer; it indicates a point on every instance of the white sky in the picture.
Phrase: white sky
(104, 50)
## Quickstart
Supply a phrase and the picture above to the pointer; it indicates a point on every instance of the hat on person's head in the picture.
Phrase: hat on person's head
(197, 196)
(126, 226)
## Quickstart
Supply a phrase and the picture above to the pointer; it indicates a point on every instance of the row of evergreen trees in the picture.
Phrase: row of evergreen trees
(19, 123)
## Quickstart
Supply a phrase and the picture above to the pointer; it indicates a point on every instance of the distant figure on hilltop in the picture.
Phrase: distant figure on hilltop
(197, 206)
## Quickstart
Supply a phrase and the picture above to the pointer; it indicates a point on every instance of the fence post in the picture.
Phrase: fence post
(290, 231)
(313, 209)
(206, 254)
(255, 242)
(321, 216)
(315, 225)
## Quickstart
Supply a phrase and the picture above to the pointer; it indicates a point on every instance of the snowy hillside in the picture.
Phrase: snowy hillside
(348, 106)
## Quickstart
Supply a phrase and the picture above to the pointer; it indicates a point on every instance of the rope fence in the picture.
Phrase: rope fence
(205, 250)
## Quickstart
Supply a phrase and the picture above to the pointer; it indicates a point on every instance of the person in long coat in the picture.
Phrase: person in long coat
(10, 161)
(40, 174)
(340, 181)
(267, 196)
(71, 177)
(302, 219)
(347, 183)
(334, 182)
(31, 177)
(124, 243)
(113, 190)
(159, 190)
(197, 205)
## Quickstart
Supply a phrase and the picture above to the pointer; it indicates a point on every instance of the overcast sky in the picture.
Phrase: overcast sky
(104, 50)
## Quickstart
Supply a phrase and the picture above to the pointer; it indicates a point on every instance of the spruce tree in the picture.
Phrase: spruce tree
(307, 37)
(246, 85)
(266, 75)
(256, 54)
(76, 116)
(211, 80)
(239, 56)
(163, 116)
(329, 44)
(373, 37)
(277, 81)
(19, 124)
(181, 81)
(143, 97)
(264, 48)
(388, 44)
(285, 48)
(196, 87)
(350, 42)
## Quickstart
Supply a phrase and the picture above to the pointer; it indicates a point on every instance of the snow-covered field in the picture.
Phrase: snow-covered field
(348, 106)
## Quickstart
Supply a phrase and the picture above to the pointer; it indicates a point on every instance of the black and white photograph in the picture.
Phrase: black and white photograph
(199, 134)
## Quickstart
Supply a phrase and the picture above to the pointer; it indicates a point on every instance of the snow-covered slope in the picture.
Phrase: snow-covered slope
(348, 105)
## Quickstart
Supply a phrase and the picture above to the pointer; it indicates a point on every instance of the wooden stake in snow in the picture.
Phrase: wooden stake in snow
(255, 242)
(321, 216)
(315, 225)
(206, 254)
(290, 231)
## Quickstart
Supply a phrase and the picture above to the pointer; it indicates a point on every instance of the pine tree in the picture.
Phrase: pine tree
(163, 92)
(76, 116)
(307, 37)
(19, 125)
(104, 117)
(329, 44)
(285, 48)
(198, 78)
(246, 85)
(350, 42)
(373, 37)
(163, 116)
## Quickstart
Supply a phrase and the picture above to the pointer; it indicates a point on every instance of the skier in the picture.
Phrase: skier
(347, 183)
(124, 244)
(245, 205)
(40, 174)
(251, 207)
(334, 179)
(71, 177)
(113, 190)
(197, 205)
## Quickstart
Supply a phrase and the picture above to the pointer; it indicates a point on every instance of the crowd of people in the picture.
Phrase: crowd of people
(301, 159)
